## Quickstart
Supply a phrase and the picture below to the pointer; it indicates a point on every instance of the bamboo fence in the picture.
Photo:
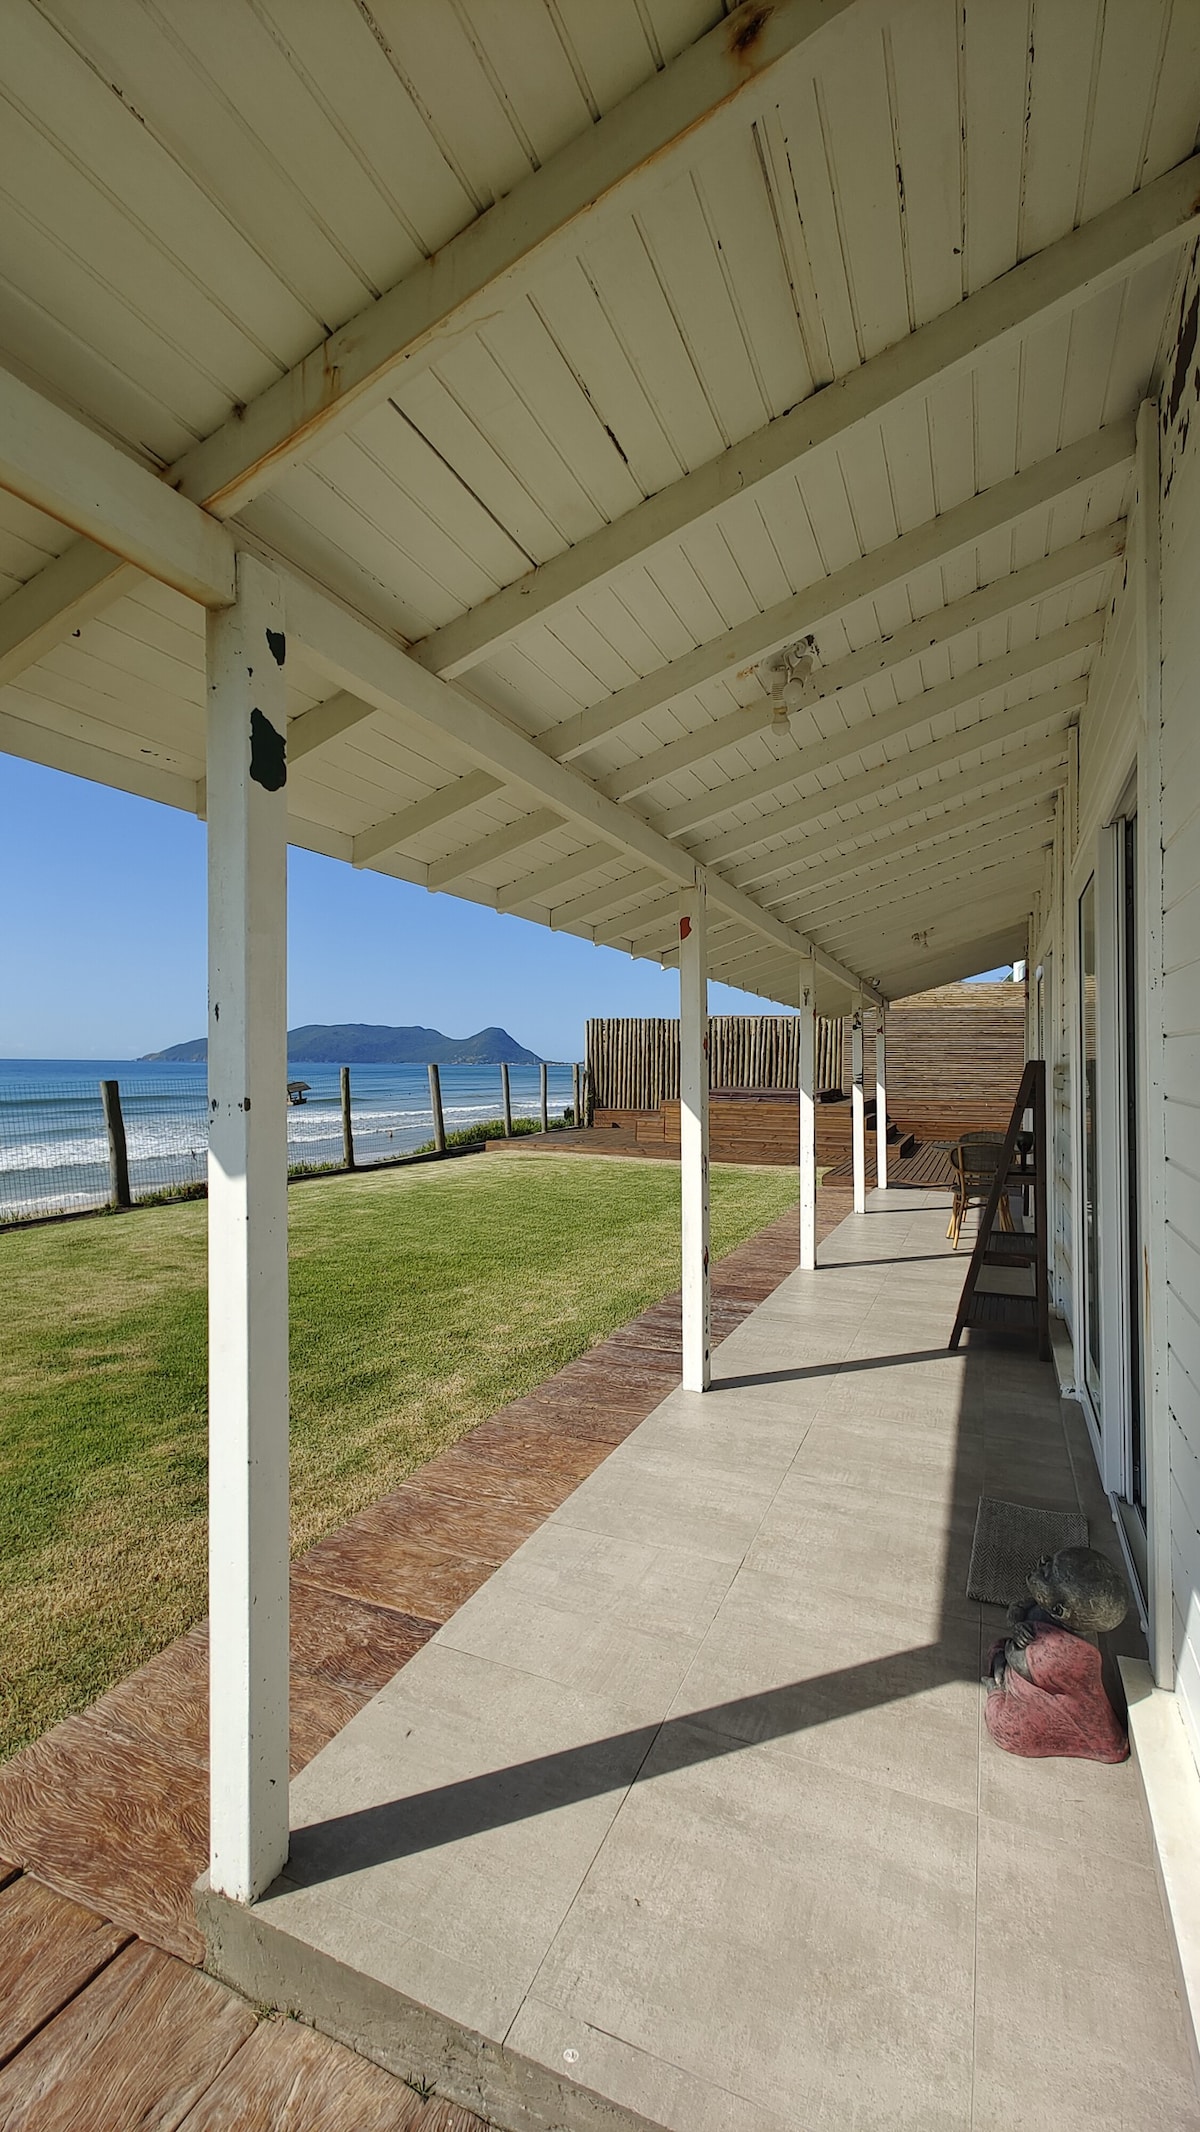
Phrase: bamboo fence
(633, 1064)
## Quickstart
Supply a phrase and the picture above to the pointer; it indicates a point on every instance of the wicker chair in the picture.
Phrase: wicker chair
(974, 1162)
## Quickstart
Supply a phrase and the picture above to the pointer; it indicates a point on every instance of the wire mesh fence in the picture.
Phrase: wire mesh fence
(62, 1152)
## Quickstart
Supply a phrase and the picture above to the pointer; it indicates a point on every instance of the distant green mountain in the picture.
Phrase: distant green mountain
(370, 1044)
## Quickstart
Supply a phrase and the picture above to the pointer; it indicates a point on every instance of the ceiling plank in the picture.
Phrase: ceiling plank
(53, 461)
(514, 836)
(313, 729)
(900, 718)
(428, 813)
(536, 888)
(1062, 275)
(1003, 596)
(362, 658)
(1001, 725)
(599, 901)
(61, 597)
(886, 850)
(881, 568)
(467, 277)
(827, 892)
(101, 766)
(1039, 758)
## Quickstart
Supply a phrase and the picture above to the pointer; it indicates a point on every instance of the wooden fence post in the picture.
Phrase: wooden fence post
(347, 1122)
(435, 1099)
(506, 1099)
(545, 1104)
(575, 1117)
(118, 1158)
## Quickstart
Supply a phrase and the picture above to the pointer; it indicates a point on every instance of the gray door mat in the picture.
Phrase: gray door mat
(1010, 1540)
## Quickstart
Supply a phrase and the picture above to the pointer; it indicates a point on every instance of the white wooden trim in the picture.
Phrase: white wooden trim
(1062, 275)
(60, 466)
(247, 1246)
(362, 658)
(640, 140)
(805, 758)
(858, 1126)
(1151, 1035)
(693, 1139)
(881, 1149)
(78, 584)
(1063, 568)
(1110, 1140)
(808, 1115)
(926, 545)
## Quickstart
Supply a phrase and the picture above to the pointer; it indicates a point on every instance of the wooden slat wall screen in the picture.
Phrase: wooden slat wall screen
(633, 1064)
(954, 1055)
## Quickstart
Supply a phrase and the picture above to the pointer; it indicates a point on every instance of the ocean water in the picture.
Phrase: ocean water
(54, 1148)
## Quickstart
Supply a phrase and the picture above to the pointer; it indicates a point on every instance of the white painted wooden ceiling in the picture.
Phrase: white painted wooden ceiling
(196, 196)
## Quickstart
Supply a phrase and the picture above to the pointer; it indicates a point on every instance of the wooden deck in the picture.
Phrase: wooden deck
(105, 2020)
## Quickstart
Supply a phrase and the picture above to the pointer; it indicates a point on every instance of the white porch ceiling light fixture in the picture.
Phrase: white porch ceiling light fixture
(787, 677)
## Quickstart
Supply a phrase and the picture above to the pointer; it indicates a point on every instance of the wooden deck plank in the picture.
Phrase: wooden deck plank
(137, 2047)
(7, 1872)
(287, 2078)
(49, 1949)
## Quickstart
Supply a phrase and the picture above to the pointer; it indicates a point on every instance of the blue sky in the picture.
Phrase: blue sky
(103, 956)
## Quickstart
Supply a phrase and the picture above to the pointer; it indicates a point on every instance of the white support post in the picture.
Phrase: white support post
(247, 1239)
(881, 1157)
(693, 1138)
(808, 1115)
(858, 1121)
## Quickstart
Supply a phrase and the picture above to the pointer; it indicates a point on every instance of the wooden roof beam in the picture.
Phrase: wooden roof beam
(1003, 596)
(982, 817)
(428, 813)
(316, 728)
(453, 292)
(363, 659)
(537, 888)
(1040, 761)
(929, 904)
(1057, 703)
(1160, 215)
(879, 570)
(514, 836)
(827, 894)
(53, 461)
(806, 758)
(59, 598)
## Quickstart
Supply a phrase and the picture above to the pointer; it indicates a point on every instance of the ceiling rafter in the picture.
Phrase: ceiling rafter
(1059, 702)
(1033, 820)
(62, 596)
(899, 719)
(53, 461)
(1040, 757)
(1054, 279)
(1064, 568)
(536, 887)
(932, 542)
(912, 838)
(513, 836)
(1007, 885)
(437, 807)
(325, 722)
(962, 861)
(362, 658)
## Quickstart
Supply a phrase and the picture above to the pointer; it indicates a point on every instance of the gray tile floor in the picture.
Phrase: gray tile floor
(692, 1803)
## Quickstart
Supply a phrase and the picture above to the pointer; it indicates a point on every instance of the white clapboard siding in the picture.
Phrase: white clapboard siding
(1181, 959)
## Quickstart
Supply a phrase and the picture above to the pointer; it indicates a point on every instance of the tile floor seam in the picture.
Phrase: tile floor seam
(686, 2072)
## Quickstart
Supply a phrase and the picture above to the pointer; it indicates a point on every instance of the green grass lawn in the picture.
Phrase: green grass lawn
(421, 1300)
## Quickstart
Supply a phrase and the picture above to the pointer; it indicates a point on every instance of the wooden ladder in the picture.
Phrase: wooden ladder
(1010, 1315)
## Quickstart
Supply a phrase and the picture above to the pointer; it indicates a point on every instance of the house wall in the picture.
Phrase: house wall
(1138, 749)
(1179, 565)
